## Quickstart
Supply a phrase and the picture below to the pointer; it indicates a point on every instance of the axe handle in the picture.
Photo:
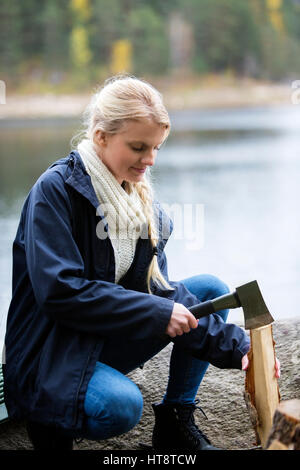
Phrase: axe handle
(226, 301)
(203, 309)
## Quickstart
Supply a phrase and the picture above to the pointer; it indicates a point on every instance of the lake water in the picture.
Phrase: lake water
(238, 173)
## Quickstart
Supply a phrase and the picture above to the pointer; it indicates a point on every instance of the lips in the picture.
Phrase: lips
(140, 170)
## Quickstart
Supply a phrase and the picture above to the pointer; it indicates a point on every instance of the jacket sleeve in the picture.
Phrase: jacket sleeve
(222, 344)
(56, 271)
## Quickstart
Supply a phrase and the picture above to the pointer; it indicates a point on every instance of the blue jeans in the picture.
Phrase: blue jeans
(113, 403)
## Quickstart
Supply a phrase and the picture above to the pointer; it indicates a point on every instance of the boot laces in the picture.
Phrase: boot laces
(189, 427)
(199, 407)
(78, 440)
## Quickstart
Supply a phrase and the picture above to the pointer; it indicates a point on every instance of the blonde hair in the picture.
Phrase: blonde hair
(125, 97)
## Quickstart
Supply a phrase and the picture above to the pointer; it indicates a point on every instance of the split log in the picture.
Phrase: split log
(261, 387)
(286, 425)
(277, 445)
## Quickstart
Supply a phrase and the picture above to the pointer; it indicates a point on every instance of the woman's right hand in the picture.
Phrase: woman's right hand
(181, 321)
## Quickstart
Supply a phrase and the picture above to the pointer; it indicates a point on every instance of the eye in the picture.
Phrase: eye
(141, 149)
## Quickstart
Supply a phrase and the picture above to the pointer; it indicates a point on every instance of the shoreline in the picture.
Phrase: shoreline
(177, 95)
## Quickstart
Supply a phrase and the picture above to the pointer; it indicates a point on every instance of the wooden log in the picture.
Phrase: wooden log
(261, 387)
(286, 425)
(277, 445)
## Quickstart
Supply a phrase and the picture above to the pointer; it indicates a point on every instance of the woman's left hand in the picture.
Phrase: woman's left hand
(245, 364)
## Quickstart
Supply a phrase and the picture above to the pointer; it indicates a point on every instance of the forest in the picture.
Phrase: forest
(66, 44)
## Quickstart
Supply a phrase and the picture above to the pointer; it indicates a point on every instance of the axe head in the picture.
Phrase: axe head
(255, 310)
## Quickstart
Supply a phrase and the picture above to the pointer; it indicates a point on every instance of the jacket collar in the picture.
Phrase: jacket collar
(80, 180)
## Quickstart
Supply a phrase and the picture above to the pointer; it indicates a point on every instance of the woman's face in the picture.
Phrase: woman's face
(128, 153)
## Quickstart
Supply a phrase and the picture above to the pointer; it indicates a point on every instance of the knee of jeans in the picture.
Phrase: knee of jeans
(215, 286)
(118, 411)
(129, 410)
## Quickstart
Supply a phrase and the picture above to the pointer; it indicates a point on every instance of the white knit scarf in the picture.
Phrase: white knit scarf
(123, 211)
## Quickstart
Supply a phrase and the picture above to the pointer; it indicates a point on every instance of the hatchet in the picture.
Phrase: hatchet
(247, 296)
(261, 388)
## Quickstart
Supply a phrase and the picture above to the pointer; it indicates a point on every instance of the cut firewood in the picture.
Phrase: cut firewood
(261, 388)
(286, 425)
(277, 445)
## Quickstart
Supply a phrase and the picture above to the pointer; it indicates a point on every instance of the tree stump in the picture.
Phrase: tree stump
(286, 426)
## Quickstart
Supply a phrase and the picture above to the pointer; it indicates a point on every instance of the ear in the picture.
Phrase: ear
(100, 138)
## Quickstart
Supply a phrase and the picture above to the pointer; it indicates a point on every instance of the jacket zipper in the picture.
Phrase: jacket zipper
(79, 387)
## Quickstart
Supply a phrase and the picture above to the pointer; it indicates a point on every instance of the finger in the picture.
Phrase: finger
(245, 362)
(186, 329)
(179, 332)
(170, 332)
(277, 368)
(194, 323)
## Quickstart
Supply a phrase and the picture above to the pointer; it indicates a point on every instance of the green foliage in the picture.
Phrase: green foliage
(225, 33)
(10, 36)
(291, 17)
(160, 7)
(53, 41)
(55, 32)
(147, 33)
(106, 26)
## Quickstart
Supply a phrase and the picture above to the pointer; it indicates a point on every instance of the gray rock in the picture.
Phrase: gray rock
(221, 396)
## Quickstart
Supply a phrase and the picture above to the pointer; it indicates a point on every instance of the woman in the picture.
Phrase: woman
(91, 296)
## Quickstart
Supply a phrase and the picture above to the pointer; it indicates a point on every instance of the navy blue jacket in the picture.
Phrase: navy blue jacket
(65, 301)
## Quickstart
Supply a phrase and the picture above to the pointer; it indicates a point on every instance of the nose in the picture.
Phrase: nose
(149, 158)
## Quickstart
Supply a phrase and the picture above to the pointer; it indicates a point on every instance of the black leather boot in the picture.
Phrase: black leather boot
(47, 438)
(176, 430)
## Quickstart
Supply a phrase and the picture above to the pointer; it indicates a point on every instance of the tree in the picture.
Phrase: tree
(148, 35)
(275, 14)
(10, 36)
(80, 51)
(224, 33)
(56, 30)
(121, 56)
(107, 25)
